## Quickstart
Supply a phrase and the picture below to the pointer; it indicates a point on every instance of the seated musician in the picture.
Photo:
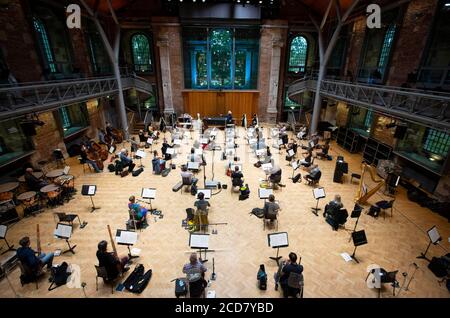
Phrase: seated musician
(236, 177)
(302, 133)
(201, 214)
(315, 139)
(32, 182)
(254, 121)
(202, 204)
(229, 118)
(141, 212)
(306, 161)
(334, 214)
(134, 146)
(109, 130)
(193, 157)
(142, 137)
(151, 133)
(101, 137)
(126, 160)
(325, 148)
(85, 159)
(271, 208)
(110, 261)
(292, 146)
(267, 158)
(29, 259)
(195, 272)
(275, 174)
(314, 173)
(283, 136)
(164, 148)
(158, 164)
(289, 266)
(187, 176)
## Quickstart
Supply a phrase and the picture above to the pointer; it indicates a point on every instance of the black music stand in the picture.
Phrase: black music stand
(64, 231)
(318, 193)
(127, 238)
(295, 165)
(359, 238)
(356, 213)
(213, 275)
(277, 240)
(3, 230)
(435, 238)
(139, 155)
(90, 190)
(200, 241)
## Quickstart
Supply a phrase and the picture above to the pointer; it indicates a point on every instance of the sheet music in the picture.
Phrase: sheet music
(66, 170)
(91, 190)
(319, 193)
(294, 164)
(127, 237)
(63, 231)
(170, 151)
(111, 149)
(148, 193)
(311, 144)
(204, 140)
(3, 229)
(141, 153)
(260, 152)
(252, 141)
(291, 152)
(177, 142)
(206, 192)
(193, 165)
(199, 241)
(150, 141)
(278, 239)
(264, 193)
(346, 257)
(266, 166)
(434, 235)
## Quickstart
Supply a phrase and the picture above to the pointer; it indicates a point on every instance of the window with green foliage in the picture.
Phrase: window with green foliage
(222, 58)
(140, 48)
(437, 142)
(44, 43)
(297, 55)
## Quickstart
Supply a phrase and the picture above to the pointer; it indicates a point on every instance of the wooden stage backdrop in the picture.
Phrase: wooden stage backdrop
(216, 103)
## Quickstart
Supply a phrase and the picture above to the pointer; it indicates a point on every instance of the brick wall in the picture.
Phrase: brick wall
(17, 43)
(356, 44)
(81, 58)
(412, 39)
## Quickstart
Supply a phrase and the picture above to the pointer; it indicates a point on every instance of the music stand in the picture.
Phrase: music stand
(127, 238)
(149, 193)
(150, 142)
(206, 192)
(199, 241)
(318, 193)
(359, 238)
(434, 236)
(3, 230)
(64, 231)
(277, 240)
(356, 213)
(295, 165)
(90, 190)
(140, 154)
(264, 193)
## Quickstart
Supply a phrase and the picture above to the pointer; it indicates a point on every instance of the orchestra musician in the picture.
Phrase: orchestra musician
(86, 159)
(236, 177)
(164, 148)
(229, 119)
(28, 256)
(334, 213)
(101, 137)
(287, 267)
(283, 136)
(32, 182)
(110, 261)
(325, 148)
(109, 130)
(254, 121)
(126, 160)
(141, 212)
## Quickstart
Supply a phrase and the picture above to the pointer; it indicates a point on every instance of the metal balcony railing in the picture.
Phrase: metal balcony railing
(23, 98)
(425, 107)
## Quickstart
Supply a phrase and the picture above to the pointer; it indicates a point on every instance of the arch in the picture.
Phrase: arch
(298, 53)
(140, 49)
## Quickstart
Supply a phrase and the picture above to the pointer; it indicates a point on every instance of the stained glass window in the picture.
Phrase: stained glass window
(220, 46)
(140, 48)
(45, 44)
(368, 120)
(437, 142)
(64, 117)
(298, 53)
(386, 48)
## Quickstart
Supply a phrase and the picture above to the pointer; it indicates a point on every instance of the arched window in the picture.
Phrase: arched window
(140, 48)
(45, 44)
(297, 55)
(386, 48)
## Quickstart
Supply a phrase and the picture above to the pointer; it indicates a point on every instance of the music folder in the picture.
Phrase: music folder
(150, 141)
(126, 237)
(63, 231)
(88, 189)
(264, 193)
(141, 153)
(319, 193)
(148, 193)
(200, 241)
(276, 240)
(206, 192)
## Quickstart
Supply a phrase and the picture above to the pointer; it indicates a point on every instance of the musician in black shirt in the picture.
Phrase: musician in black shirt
(110, 261)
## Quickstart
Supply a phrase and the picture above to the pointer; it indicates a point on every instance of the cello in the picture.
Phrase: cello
(117, 135)
(94, 156)
(103, 153)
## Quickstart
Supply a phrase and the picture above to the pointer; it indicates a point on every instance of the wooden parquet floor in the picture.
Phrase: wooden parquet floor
(241, 245)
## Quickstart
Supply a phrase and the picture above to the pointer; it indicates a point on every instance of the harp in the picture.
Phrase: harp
(362, 195)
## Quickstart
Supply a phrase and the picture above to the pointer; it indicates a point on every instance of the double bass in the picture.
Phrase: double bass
(94, 156)
(102, 152)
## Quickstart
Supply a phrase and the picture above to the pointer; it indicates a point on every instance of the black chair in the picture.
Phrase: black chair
(67, 218)
(186, 184)
(385, 205)
(313, 179)
(271, 218)
(102, 273)
(275, 179)
(134, 222)
(29, 275)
